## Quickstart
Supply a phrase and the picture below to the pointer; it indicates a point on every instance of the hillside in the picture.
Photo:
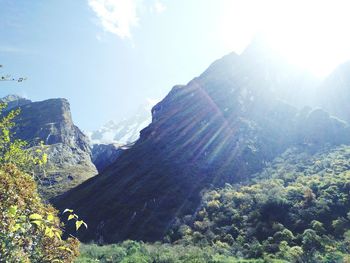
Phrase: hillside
(222, 127)
(299, 206)
(334, 92)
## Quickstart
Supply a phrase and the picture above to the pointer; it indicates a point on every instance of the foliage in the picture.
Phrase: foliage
(30, 230)
(75, 217)
(132, 251)
(14, 151)
(298, 210)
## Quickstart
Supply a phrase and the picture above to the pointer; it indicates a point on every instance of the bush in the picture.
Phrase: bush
(30, 230)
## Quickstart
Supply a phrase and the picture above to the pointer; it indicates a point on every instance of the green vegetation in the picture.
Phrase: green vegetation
(299, 211)
(14, 151)
(30, 230)
(296, 210)
(138, 252)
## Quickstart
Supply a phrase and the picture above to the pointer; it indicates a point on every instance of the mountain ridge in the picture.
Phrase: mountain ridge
(223, 126)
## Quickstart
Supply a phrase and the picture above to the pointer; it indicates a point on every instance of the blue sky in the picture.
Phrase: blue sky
(109, 56)
(64, 50)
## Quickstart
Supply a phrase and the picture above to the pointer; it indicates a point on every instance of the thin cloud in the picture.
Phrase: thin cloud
(9, 49)
(159, 7)
(116, 16)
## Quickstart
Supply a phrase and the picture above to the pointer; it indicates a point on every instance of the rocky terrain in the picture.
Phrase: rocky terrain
(68, 150)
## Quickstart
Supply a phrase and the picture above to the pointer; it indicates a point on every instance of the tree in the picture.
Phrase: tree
(30, 230)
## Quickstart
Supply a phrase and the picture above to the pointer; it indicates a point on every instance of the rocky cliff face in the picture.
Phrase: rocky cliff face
(69, 154)
(223, 126)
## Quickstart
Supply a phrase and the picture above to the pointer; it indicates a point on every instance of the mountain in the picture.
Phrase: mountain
(68, 150)
(104, 155)
(334, 93)
(13, 101)
(126, 131)
(222, 127)
(113, 138)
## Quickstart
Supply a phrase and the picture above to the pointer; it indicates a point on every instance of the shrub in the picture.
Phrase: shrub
(30, 230)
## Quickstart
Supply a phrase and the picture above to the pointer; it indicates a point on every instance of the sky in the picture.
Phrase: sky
(107, 57)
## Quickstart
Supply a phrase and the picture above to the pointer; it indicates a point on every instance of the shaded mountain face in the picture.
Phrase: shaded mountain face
(104, 155)
(69, 154)
(223, 126)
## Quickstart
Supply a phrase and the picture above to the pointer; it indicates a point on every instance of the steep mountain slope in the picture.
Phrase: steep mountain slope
(69, 155)
(221, 127)
(334, 94)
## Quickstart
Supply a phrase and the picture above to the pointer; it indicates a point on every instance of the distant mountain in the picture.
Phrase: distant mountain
(222, 127)
(334, 93)
(113, 138)
(126, 131)
(69, 154)
(104, 155)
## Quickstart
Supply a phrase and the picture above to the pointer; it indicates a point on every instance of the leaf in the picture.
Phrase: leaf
(65, 248)
(35, 217)
(58, 235)
(37, 222)
(79, 223)
(67, 210)
(13, 210)
(16, 227)
(70, 217)
(50, 217)
(49, 232)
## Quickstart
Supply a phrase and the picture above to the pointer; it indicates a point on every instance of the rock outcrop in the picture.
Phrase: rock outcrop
(69, 153)
(13, 101)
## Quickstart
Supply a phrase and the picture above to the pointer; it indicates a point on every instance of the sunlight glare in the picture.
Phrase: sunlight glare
(311, 34)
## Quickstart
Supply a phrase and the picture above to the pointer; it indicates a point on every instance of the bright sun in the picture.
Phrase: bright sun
(312, 34)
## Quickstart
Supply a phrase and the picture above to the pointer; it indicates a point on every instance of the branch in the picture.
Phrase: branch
(9, 78)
